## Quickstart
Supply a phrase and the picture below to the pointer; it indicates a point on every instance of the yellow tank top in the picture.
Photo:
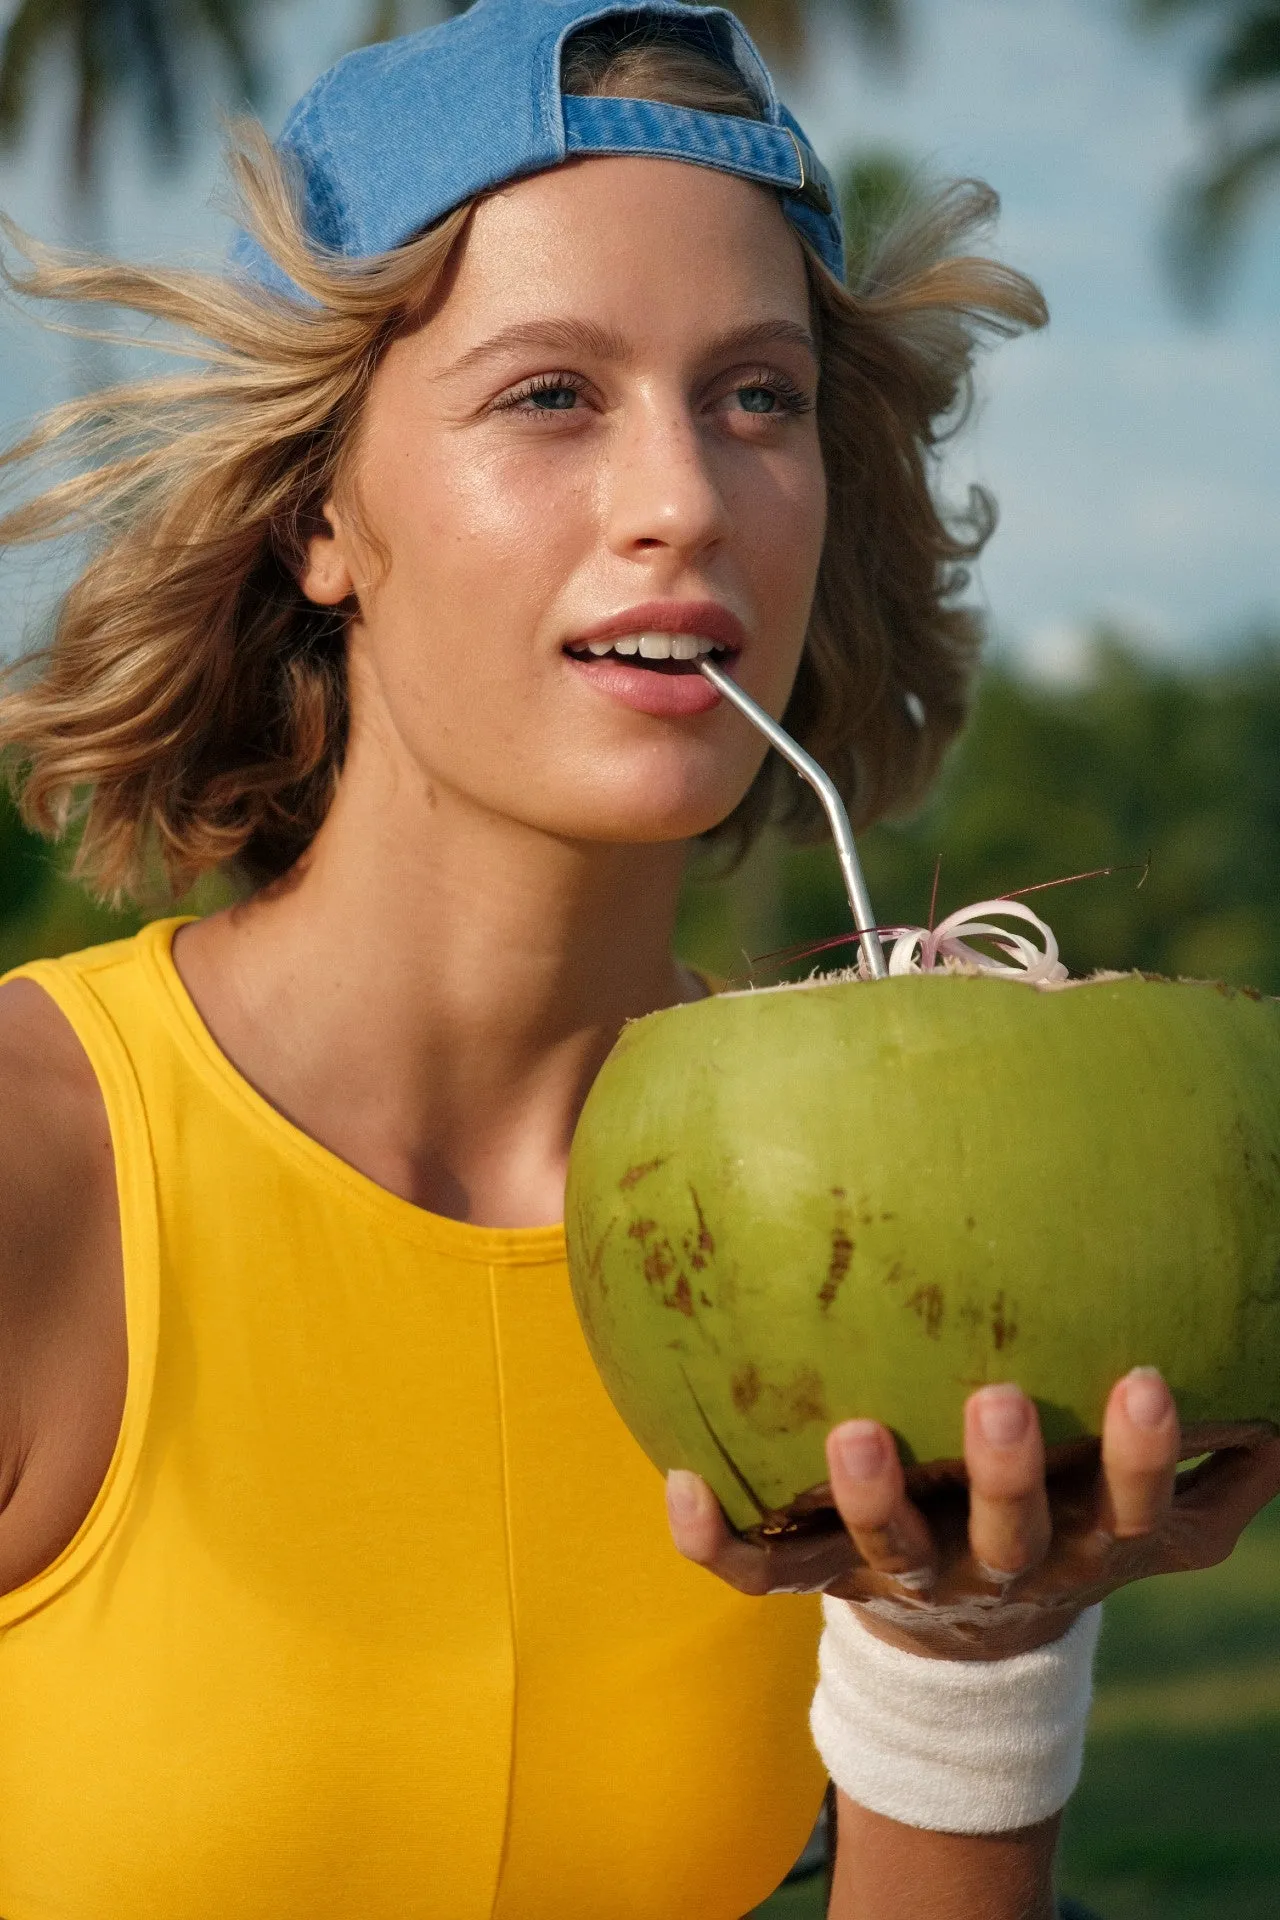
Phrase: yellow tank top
(376, 1615)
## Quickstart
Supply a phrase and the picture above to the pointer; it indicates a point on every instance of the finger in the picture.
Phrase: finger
(1224, 1493)
(1140, 1437)
(703, 1535)
(870, 1493)
(1010, 1526)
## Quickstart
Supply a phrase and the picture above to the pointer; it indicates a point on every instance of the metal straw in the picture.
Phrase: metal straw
(864, 920)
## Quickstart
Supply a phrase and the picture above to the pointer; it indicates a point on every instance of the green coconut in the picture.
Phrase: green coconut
(792, 1207)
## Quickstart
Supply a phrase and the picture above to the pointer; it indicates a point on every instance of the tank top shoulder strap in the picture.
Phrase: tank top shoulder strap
(103, 995)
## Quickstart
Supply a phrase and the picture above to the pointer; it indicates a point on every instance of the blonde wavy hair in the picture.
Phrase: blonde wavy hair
(190, 711)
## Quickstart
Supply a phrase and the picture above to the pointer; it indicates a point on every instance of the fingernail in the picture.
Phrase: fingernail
(859, 1448)
(1147, 1399)
(1003, 1414)
(683, 1494)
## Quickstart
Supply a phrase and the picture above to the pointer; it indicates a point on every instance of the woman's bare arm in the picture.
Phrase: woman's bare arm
(885, 1871)
(63, 1352)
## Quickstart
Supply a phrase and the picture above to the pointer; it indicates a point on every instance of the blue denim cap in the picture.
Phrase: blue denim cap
(397, 135)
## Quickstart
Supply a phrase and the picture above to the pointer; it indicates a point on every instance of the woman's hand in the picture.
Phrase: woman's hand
(1008, 1565)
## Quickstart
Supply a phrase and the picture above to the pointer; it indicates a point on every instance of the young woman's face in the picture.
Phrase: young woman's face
(604, 435)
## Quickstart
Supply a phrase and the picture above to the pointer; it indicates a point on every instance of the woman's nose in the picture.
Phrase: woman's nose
(662, 490)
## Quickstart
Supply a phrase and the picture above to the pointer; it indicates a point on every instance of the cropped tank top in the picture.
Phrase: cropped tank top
(376, 1615)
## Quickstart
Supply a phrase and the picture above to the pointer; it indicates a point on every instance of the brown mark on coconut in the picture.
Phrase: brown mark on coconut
(680, 1299)
(1004, 1328)
(659, 1263)
(896, 1274)
(745, 1387)
(699, 1247)
(774, 1410)
(837, 1267)
(928, 1304)
(634, 1175)
(595, 1261)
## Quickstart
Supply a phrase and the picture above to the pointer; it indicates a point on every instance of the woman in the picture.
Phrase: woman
(331, 1583)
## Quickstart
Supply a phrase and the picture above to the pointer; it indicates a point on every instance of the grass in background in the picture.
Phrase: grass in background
(1177, 1816)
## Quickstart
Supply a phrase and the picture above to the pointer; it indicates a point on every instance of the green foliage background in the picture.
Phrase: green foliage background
(1143, 766)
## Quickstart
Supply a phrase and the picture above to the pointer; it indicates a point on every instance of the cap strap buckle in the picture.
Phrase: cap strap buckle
(810, 192)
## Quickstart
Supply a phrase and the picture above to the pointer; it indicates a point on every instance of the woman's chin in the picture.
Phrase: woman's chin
(652, 818)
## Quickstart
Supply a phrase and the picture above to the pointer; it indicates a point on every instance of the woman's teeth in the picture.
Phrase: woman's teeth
(653, 646)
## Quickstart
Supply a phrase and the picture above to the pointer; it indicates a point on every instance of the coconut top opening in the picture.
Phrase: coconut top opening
(1027, 954)
(1026, 951)
(956, 969)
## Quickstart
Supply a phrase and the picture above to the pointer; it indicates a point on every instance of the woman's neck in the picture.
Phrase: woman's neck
(431, 993)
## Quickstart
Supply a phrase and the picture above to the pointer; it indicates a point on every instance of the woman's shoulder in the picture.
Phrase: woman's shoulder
(62, 1351)
(52, 1120)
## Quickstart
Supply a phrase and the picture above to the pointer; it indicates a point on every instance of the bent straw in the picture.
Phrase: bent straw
(864, 920)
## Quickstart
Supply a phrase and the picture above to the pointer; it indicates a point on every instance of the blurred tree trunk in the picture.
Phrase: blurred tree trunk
(783, 27)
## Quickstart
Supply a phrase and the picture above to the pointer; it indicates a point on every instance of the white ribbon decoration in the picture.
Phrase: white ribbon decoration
(927, 950)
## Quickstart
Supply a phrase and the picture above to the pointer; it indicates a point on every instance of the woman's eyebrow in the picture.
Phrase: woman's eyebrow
(763, 334)
(606, 343)
(566, 336)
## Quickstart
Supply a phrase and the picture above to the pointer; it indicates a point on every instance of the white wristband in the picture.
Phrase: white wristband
(961, 1746)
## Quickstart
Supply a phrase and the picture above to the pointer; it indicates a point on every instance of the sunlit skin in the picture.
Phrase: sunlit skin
(507, 842)
(610, 405)
(564, 441)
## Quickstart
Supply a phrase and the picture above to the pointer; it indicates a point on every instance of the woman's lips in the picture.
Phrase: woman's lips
(644, 690)
(706, 619)
(646, 657)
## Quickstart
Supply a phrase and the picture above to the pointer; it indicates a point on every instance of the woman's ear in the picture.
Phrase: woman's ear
(326, 573)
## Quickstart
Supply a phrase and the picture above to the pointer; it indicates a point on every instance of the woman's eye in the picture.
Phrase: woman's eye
(553, 399)
(548, 395)
(772, 397)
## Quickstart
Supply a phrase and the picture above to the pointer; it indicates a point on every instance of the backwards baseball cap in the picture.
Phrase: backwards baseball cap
(397, 135)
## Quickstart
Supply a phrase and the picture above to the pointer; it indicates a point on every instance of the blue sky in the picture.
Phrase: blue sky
(1135, 454)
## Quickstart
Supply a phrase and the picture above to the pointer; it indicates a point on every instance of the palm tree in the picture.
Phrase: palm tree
(1238, 92)
(138, 49)
(780, 26)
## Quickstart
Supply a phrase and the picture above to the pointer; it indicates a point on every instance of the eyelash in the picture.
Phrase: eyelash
(791, 398)
(540, 383)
